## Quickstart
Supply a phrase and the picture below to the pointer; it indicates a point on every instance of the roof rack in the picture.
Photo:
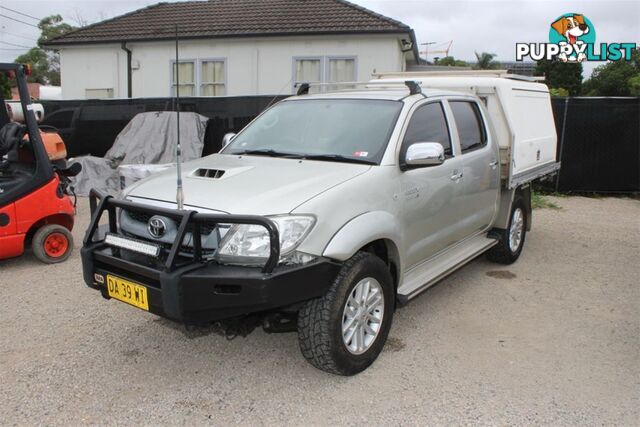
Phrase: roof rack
(457, 73)
(413, 86)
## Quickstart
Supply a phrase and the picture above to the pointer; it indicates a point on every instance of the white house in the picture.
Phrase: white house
(231, 47)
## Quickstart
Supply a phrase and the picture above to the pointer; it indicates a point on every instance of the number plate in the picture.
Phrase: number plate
(128, 292)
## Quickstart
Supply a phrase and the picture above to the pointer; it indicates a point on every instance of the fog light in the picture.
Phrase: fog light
(132, 245)
(297, 258)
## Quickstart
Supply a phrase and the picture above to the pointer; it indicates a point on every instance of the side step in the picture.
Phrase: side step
(421, 277)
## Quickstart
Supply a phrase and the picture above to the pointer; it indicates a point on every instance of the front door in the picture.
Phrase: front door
(432, 196)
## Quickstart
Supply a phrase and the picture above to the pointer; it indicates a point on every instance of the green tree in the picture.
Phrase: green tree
(39, 62)
(634, 85)
(452, 62)
(620, 78)
(559, 91)
(51, 27)
(561, 75)
(45, 62)
(485, 61)
(5, 88)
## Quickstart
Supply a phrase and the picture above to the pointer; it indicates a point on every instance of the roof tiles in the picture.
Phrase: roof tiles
(234, 18)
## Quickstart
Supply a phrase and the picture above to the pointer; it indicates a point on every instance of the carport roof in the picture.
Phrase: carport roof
(235, 18)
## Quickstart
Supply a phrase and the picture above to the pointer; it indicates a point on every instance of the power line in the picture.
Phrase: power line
(13, 44)
(17, 20)
(20, 13)
(18, 36)
(6, 48)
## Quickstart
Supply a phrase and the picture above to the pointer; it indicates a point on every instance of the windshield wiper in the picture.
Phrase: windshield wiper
(338, 158)
(268, 152)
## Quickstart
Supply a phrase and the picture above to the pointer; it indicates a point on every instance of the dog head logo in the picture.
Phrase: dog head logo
(572, 39)
(572, 29)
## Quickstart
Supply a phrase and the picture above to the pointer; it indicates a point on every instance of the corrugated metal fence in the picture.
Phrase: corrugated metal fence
(599, 138)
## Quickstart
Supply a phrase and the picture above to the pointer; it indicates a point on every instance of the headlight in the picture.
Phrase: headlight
(250, 244)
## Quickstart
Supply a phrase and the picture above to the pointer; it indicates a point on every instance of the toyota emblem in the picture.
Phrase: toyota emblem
(157, 227)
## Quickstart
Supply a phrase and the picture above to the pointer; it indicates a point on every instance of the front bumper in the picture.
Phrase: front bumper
(195, 290)
(199, 294)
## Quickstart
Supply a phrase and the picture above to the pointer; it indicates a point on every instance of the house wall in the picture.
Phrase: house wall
(254, 66)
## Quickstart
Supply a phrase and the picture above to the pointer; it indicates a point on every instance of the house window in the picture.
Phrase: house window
(98, 93)
(212, 78)
(187, 76)
(308, 70)
(325, 69)
(341, 70)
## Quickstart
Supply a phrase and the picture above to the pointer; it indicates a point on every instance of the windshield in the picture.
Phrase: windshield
(353, 130)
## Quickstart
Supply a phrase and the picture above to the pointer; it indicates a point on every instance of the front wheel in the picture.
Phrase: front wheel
(511, 240)
(52, 244)
(344, 331)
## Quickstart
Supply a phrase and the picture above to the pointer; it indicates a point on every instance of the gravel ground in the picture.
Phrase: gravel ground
(552, 339)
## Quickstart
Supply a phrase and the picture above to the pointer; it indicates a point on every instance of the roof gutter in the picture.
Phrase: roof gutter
(414, 47)
(123, 46)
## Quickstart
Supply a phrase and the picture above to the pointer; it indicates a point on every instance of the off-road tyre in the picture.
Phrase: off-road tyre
(320, 320)
(503, 253)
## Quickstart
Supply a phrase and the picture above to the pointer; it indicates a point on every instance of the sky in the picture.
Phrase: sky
(472, 25)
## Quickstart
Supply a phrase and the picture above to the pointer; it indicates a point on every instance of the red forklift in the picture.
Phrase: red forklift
(36, 206)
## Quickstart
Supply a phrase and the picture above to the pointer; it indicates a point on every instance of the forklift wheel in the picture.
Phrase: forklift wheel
(52, 244)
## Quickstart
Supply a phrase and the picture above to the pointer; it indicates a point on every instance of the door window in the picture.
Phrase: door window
(428, 124)
(469, 124)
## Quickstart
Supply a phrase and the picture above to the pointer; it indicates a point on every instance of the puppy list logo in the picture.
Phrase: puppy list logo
(572, 38)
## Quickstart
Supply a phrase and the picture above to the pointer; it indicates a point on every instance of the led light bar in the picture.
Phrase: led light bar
(132, 245)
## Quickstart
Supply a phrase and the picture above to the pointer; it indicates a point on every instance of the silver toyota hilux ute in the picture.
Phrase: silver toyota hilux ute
(331, 210)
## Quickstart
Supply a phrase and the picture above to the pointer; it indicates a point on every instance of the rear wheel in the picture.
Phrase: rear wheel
(511, 241)
(52, 243)
(344, 331)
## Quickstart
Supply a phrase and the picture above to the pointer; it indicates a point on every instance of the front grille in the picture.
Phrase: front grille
(139, 216)
(144, 217)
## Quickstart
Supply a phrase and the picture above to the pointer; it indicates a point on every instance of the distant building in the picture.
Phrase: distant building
(34, 91)
(39, 92)
(228, 48)
(522, 68)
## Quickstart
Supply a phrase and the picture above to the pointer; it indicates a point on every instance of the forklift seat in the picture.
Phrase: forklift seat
(10, 136)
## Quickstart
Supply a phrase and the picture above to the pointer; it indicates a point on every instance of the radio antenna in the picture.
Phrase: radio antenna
(179, 191)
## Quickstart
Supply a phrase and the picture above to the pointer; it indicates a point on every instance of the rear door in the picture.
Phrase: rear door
(480, 168)
(431, 196)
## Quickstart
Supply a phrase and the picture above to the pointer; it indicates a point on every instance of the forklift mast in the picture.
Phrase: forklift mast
(43, 169)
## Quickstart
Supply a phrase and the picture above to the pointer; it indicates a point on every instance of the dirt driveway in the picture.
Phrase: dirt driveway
(552, 339)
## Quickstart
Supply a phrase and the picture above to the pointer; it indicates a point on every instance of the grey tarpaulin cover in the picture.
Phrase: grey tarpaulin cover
(149, 138)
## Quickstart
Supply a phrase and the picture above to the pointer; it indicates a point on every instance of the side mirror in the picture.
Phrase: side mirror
(227, 138)
(68, 171)
(422, 154)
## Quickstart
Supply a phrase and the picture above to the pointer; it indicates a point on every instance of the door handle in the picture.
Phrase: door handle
(493, 164)
(456, 176)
